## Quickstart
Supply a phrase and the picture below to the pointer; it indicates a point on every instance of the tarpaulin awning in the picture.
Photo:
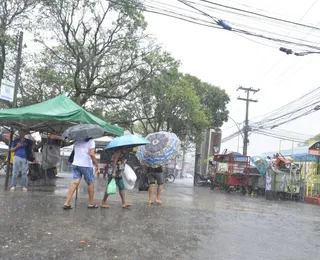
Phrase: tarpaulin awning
(53, 115)
(297, 154)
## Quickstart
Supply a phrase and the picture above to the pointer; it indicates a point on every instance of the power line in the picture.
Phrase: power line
(280, 137)
(169, 13)
(262, 15)
(172, 14)
(295, 103)
(226, 26)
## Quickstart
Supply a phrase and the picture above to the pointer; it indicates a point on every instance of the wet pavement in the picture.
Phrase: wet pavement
(192, 223)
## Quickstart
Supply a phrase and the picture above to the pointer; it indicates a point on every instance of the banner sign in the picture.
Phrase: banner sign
(7, 90)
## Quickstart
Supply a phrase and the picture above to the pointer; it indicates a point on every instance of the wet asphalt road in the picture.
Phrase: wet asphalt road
(192, 223)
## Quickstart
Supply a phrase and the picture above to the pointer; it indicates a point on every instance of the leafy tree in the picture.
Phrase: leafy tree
(214, 99)
(312, 140)
(171, 102)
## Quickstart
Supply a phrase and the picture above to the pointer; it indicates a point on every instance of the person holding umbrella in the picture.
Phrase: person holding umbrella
(83, 160)
(163, 147)
(155, 174)
(118, 163)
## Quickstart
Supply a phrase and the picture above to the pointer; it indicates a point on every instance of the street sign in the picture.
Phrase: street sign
(7, 90)
(314, 152)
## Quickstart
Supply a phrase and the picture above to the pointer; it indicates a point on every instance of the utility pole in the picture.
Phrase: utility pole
(16, 85)
(246, 122)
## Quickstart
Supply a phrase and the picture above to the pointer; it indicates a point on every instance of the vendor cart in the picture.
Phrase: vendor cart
(232, 172)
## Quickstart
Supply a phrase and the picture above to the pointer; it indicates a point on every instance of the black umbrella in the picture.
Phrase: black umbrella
(82, 131)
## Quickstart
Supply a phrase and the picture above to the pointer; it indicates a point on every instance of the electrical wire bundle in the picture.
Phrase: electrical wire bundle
(244, 22)
(304, 105)
(230, 137)
(269, 123)
(284, 135)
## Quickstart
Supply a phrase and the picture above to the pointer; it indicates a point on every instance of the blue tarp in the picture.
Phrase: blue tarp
(260, 163)
(298, 154)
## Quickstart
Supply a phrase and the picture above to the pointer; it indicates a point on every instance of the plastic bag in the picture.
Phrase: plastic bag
(50, 156)
(112, 187)
(129, 177)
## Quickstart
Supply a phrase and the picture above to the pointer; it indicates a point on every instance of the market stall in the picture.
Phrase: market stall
(313, 175)
(52, 117)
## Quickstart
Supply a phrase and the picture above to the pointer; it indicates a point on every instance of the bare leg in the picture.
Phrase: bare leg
(91, 193)
(73, 187)
(151, 188)
(104, 201)
(123, 198)
(158, 199)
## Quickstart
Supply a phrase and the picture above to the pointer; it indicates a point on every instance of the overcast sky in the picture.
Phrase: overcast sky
(228, 60)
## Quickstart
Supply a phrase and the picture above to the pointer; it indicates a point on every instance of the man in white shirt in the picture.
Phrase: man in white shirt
(82, 165)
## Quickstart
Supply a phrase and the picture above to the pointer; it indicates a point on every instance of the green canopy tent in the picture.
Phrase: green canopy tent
(54, 116)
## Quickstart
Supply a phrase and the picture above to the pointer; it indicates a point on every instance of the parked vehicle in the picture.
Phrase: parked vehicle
(232, 172)
(201, 180)
(169, 177)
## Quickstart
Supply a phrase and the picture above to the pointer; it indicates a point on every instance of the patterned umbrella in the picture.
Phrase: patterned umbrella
(163, 147)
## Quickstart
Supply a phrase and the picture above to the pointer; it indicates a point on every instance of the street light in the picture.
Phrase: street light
(290, 51)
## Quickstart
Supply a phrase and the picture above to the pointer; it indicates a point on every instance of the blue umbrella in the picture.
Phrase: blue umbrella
(127, 141)
(163, 147)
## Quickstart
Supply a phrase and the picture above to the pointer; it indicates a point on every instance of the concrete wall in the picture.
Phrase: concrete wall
(205, 149)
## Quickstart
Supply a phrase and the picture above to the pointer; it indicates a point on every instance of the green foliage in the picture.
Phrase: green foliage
(312, 140)
(214, 99)
(173, 102)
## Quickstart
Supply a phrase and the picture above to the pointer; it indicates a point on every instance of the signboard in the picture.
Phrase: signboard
(314, 152)
(7, 90)
(314, 149)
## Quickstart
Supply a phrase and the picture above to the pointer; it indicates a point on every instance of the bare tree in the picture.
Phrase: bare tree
(13, 17)
(100, 45)
(13, 14)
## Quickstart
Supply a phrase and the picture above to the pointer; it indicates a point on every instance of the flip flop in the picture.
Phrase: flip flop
(104, 206)
(94, 206)
(159, 202)
(66, 207)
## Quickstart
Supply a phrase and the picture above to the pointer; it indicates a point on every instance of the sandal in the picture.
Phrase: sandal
(94, 206)
(66, 207)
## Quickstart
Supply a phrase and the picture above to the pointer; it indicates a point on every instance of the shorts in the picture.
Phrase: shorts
(156, 176)
(119, 182)
(86, 172)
